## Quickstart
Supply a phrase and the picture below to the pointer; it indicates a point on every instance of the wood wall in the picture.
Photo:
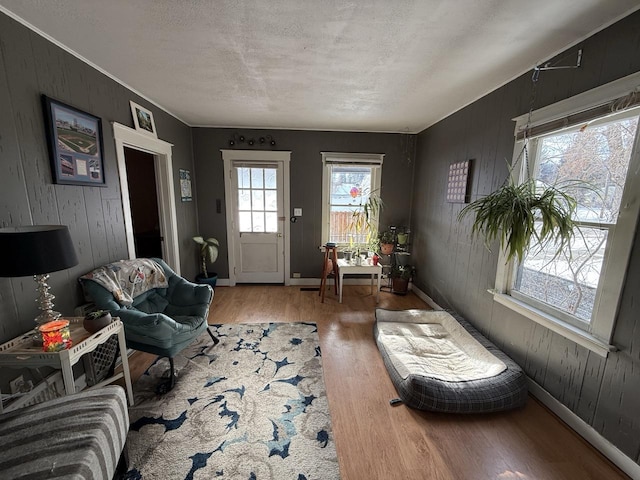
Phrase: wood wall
(456, 272)
(31, 66)
(306, 183)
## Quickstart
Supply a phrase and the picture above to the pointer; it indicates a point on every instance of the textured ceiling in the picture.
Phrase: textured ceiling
(377, 65)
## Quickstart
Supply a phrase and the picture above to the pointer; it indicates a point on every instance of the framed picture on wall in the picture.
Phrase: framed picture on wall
(75, 144)
(185, 185)
(458, 182)
(143, 120)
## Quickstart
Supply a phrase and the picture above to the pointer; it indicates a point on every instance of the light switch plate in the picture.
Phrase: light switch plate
(297, 212)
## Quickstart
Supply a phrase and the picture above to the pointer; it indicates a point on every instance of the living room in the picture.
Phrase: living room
(597, 391)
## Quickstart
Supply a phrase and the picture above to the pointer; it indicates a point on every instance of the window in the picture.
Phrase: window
(348, 180)
(576, 293)
(257, 199)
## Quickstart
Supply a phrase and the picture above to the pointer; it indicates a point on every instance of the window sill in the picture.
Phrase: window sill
(561, 328)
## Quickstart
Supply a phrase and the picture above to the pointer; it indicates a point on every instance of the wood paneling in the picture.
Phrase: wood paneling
(456, 272)
(376, 441)
(29, 67)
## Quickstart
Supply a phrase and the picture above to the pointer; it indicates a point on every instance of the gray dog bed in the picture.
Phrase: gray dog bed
(439, 362)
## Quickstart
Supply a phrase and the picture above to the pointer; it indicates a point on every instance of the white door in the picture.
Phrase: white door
(259, 218)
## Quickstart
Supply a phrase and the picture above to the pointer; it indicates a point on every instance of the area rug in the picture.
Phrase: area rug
(252, 407)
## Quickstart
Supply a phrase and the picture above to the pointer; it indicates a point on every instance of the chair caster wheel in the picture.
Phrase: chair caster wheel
(165, 387)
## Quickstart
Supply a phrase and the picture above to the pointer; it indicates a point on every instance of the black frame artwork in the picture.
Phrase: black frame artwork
(75, 144)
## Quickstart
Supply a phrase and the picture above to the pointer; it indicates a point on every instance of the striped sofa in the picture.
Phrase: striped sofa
(79, 436)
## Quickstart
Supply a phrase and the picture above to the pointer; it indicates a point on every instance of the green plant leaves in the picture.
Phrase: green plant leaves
(518, 214)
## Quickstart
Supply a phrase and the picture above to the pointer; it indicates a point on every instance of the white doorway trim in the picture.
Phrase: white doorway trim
(267, 156)
(161, 151)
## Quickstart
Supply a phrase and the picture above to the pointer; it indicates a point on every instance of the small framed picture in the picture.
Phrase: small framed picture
(185, 185)
(458, 184)
(75, 144)
(143, 120)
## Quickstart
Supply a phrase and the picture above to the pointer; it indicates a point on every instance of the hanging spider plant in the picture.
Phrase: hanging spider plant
(521, 216)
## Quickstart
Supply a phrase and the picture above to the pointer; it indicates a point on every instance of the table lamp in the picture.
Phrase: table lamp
(37, 250)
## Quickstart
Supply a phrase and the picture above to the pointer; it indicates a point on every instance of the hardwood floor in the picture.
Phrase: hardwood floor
(377, 441)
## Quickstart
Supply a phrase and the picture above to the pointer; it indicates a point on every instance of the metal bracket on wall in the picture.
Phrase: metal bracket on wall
(548, 66)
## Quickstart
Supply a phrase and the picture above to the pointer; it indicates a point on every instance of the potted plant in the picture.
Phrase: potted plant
(208, 253)
(387, 242)
(96, 320)
(400, 276)
(362, 225)
(519, 214)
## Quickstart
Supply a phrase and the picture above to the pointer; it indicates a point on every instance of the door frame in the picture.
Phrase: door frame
(161, 151)
(257, 156)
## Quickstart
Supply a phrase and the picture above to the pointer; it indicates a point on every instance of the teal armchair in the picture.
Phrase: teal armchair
(160, 321)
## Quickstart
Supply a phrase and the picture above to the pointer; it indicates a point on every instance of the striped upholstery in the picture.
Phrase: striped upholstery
(79, 436)
(504, 391)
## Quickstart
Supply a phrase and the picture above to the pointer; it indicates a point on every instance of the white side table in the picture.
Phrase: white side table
(345, 268)
(21, 353)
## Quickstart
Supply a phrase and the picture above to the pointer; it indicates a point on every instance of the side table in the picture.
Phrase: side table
(21, 353)
(345, 268)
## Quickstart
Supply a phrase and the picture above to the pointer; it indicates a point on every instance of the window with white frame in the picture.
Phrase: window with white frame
(592, 138)
(347, 182)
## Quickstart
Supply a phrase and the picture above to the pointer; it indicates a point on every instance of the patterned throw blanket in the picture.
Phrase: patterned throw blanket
(127, 279)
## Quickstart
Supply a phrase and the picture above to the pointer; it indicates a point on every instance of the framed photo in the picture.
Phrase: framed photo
(143, 120)
(458, 184)
(185, 185)
(75, 144)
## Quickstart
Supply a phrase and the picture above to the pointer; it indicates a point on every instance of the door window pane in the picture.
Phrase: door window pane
(270, 178)
(258, 221)
(257, 200)
(271, 200)
(243, 178)
(244, 199)
(271, 222)
(256, 178)
(244, 220)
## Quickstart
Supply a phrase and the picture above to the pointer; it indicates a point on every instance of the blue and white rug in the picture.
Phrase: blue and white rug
(253, 407)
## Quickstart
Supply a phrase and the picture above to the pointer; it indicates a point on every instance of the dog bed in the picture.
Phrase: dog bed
(439, 362)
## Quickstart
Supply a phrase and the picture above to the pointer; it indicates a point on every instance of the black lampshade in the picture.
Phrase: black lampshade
(35, 250)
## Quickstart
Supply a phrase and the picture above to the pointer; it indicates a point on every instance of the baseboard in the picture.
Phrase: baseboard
(426, 298)
(586, 431)
(294, 282)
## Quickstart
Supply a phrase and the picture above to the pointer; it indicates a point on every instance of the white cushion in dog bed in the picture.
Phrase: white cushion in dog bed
(437, 347)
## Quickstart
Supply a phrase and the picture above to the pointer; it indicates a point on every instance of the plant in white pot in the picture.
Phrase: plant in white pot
(208, 253)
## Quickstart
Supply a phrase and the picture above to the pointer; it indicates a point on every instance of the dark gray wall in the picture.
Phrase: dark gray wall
(29, 67)
(456, 272)
(306, 183)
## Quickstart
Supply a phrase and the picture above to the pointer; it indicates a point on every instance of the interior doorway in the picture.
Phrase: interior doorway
(161, 151)
(143, 196)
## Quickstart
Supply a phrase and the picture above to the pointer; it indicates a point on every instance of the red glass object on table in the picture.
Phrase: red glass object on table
(55, 336)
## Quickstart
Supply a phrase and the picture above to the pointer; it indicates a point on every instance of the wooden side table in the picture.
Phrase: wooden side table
(21, 353)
